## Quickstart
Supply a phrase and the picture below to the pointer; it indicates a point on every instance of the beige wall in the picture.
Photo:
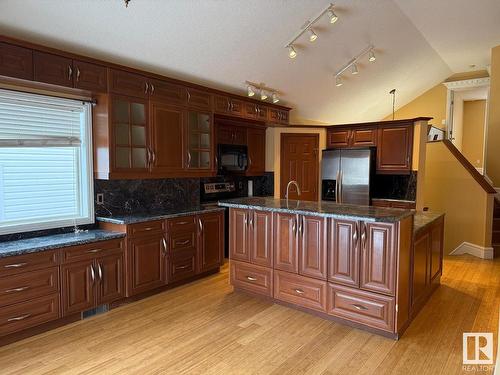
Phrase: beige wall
(449, 188)
(493, 143)
(473, 131)
(273, 151)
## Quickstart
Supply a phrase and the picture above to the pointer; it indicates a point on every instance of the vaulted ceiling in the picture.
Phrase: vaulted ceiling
(222, 43)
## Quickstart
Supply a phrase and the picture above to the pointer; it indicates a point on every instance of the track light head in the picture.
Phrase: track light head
(354, 69)
(275, 98)
(263, 95)
(333, 17)
(338, 81)
(250, 91)
(312, 35)
(371, 56)
(292, 53)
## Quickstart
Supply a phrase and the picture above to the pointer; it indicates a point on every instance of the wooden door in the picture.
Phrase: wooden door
(78, 286)
(90, 77)
(126, 83)
(260, 238)
(256, 142)
(299, 162)
(53, 69)
(394, 149)
(15, 61)
(110, 274)
(211, 241)
(238, 234)
(146, 260)
(313, 246)
(286, 244)
(168, 132)
(378, 258)
(344, 257)
(338, 138)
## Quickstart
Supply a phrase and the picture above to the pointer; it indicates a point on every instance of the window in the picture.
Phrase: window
(45, 162)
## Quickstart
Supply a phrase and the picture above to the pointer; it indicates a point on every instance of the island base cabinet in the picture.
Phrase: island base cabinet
(252, 278)
(370, 309)
(300, 290)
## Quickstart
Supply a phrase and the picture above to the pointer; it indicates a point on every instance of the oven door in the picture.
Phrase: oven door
(232, 159)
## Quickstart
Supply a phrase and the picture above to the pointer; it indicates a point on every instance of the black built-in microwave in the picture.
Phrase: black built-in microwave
(232, 159)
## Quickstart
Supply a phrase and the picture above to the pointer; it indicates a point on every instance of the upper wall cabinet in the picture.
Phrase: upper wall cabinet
(126, 83)
(88, 76)
(344, 137)
(394, 151)
(53, 69)
(15, 61)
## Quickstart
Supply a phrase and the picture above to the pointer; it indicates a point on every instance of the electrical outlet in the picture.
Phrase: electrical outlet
(100, 199)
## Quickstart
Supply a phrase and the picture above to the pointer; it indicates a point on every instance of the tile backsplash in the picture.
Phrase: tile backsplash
(395, 186)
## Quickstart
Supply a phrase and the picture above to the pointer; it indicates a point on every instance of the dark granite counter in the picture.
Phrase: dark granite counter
(422, 219)
(161, 215)
(36, 244)
(322, 208)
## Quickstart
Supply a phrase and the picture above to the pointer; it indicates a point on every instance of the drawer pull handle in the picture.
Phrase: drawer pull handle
(183, 222)
(359, 307)
(17, 318)
(299, 291)
(182, 242)
(181, 267)
(16, 265)
(94, 251)
(148, 228)
(250, 278)
(16, 290)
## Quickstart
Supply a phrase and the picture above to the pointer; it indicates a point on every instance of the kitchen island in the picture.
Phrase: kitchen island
(354, 264)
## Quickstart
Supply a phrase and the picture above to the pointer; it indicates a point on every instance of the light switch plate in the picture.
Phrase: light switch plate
(100, 198)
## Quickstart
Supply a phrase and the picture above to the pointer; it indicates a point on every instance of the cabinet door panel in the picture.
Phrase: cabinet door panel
(121, 82)
(378, 260)
(421, 261)
(146, 258)
(168, 135)
(222, 104)
(261, 238)
(167, 92)
(110, 273)
(344, 256)
(53, 69)
(211, 241)
(364, 137)
(240, 135)
(225, 134)
(15, 61)
(436, 250)
(394, 151)
(313, 252)
(256, 142)
(338, 138)
(199, 99)
(78, 286)
(90, 77)
(286, 243)
(238, 235)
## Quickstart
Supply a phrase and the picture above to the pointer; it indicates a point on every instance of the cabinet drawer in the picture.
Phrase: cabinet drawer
(182, 241)
(140, 229)
(252, 278)
(182, 266)
(182, 224)
(29, 314)
(28, 285)
(91, 250)
(28, 262)
(367, 308)
(300, 290)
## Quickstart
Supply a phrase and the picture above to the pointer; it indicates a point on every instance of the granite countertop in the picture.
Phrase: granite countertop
(424, 218)
(393, 200)
(322, 208)
(162, 215)
(37, 244)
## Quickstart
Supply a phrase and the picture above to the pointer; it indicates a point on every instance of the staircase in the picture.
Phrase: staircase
(496, 229)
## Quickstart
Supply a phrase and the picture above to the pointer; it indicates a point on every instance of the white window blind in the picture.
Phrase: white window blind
(45, 162)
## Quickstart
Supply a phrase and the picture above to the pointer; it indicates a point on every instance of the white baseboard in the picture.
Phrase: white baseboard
(472, 249)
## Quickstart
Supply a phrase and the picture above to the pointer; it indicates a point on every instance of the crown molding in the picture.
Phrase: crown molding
(467, 83)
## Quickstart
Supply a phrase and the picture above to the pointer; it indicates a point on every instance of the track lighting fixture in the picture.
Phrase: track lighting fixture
(263, 95)
(250, 91)
(308, 28)
(352, 64)
(275, 98)
(312, 35)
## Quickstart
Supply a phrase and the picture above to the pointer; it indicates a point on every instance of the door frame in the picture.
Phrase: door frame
(316, 139)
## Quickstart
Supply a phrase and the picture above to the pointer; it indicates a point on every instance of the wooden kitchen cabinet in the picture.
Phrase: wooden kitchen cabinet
(300, 290)
(256, 143)
(16, 61)
(238, 235)
(395, 147)
(200, 144)
(78, 290)
(91, 77)
(199, 99)
(53, 69)
(211, 241)
(129, 84)
(111, 278)
(313, 247)
(344, 252)
(345, 137)
(286, 242)
(231, 135)
(167, 93)
(228, 105)
(251, 277)
(278, 116)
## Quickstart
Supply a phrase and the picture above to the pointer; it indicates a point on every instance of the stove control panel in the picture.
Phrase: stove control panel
(219, 187)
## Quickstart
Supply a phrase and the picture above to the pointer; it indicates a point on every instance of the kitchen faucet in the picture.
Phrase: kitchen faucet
(288, 187)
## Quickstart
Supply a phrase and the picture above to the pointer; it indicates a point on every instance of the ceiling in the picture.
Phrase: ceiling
(222, 43)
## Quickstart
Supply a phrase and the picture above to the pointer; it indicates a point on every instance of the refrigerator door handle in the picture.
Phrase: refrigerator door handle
(337, 187)
(340, 186)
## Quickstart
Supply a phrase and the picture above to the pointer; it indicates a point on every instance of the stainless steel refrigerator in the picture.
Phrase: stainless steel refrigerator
(346, 175)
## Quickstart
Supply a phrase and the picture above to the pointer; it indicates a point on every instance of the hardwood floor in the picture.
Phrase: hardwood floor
(205, 328)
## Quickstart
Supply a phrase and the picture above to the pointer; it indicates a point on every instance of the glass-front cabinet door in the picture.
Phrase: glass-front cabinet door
(199, 140)
(129, 122)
